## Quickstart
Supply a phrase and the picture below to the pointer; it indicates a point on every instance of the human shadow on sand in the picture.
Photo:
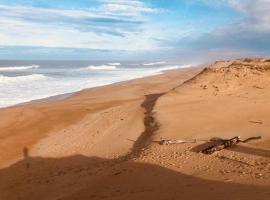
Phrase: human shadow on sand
(80, 177)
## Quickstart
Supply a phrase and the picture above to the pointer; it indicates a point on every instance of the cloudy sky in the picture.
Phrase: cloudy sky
(133, 29)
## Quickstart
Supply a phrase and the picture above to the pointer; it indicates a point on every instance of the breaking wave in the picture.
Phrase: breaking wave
(154, 63)
(101, 67)
(15, 68)
(19, 79)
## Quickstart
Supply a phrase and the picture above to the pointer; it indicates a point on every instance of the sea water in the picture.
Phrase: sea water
(23, 81)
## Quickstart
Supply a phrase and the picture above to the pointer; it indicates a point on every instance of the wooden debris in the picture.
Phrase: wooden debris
(223, 144)
(217, 143)
(251, 138)
(167, 142)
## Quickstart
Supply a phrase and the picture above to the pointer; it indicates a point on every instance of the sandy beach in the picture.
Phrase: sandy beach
(102, 143)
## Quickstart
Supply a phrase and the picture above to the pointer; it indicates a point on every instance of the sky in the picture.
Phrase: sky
(133, 29)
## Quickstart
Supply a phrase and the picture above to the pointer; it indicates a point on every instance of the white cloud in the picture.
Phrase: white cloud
(256, 12)
(123, 7)
(53, 36)
(38, 13)
(248, 35)
(129, 7)
(95, 28)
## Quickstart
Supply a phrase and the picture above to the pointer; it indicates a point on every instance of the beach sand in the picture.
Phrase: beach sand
(102, 143)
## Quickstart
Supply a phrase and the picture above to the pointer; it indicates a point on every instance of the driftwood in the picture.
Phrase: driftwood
(167, 142)
(251, 138)
(217, 143)
(223, 144)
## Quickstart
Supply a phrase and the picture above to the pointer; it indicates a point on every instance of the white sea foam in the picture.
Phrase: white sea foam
(17, 68)
(19, 79)
(101, 67)
(114, 64)
(154, 63)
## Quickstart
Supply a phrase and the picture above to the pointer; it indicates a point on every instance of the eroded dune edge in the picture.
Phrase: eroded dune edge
(102, 143)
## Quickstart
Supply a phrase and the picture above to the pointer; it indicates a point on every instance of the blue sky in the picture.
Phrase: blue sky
(133, 29)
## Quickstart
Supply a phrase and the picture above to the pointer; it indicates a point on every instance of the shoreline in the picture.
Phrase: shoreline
(64, 96)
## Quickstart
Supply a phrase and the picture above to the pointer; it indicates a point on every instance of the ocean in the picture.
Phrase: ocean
(24, 81)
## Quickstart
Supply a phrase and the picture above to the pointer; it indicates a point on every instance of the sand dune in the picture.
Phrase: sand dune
(223, 100)
(101, 143)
